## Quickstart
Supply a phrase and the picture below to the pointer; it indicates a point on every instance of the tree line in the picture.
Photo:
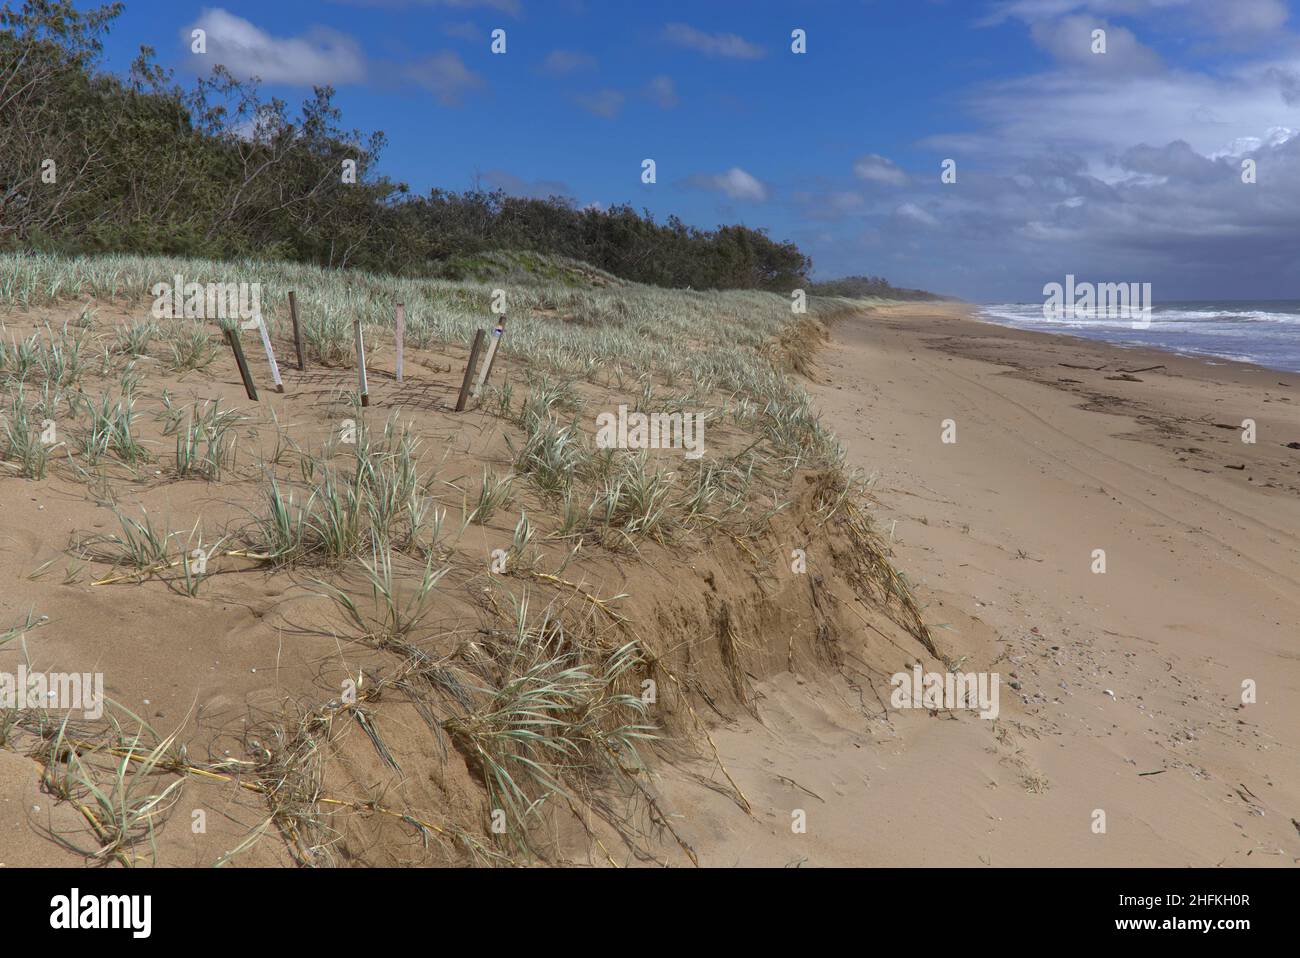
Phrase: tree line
(860, 287)
(95, 162)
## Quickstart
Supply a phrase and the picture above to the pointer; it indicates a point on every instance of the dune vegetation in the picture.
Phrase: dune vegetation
(500, 629)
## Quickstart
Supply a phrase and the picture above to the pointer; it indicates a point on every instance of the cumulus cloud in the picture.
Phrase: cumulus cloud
(735, 183)
(1131, 172)
(713, 44)
(1095, 113)
(876, 169)
(1165, 214)
(321, 56)
(1070, 41)
(318, 56)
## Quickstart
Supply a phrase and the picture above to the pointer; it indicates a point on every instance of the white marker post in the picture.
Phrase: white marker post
(491, 353)
(361, 363)
(399, 331)
(270, 354)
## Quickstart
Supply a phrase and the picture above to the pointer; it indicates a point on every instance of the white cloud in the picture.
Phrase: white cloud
(876, 169)
(714, 44)
(1117, 167)
(912, 213)
(319, 56)
(1098, 115)
(1070, 41)
(735, 183)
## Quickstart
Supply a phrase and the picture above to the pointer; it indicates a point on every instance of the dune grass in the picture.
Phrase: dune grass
(544, 709)
(711, 340)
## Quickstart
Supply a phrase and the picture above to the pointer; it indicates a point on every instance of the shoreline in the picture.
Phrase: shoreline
(1121, 704)
(976, 309)
(1172, 397)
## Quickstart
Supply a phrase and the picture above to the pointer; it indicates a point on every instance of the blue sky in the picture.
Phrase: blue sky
(1115, 166)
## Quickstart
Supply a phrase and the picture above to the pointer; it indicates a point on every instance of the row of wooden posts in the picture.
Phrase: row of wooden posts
(470, 387)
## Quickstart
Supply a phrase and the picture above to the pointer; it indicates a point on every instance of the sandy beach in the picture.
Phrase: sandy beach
(525, 441)
(1121, 736)
(1122, 692)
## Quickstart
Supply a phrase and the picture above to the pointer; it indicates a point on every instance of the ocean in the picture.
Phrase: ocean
(1265, 332)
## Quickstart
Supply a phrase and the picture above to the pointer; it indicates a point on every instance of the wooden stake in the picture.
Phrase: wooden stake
(399, 330)
(232, 337)
(361, 363)
(474, 350)
(491, 355)
(297, 335)
(270, 355)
